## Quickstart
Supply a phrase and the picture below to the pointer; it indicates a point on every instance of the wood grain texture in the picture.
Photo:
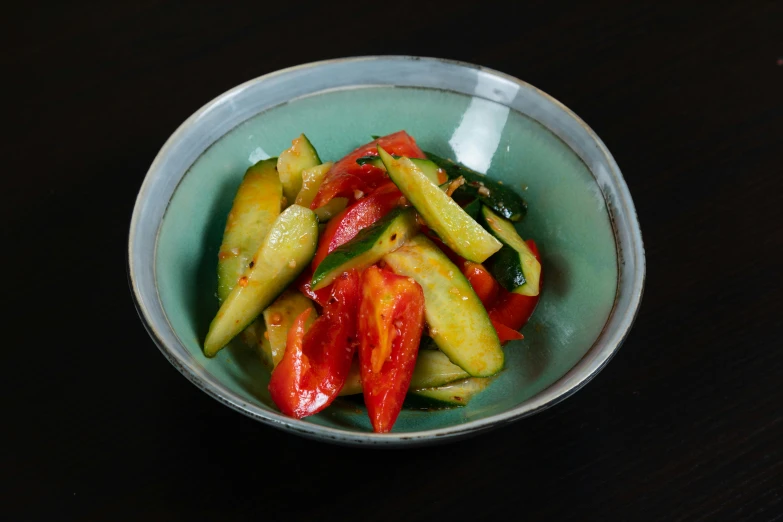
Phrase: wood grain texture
(686, 422)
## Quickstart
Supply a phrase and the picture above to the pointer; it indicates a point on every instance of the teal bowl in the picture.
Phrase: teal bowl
(580, 214)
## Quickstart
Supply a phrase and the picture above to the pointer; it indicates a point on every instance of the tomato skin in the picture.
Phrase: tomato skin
(316, 363)
(485, 286)
(303, 284)
(505, 333)
(285, 392)
(346, 176)
(349, 182)
(344, 226)
(514, 310)
(391, 321)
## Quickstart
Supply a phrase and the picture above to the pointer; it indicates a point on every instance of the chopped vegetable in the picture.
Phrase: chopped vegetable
(467, 338)
(279, 317)
(304, 284)
(391, 319)
(441, 213)
(491, 193)
(411, 261)
(433, 369)
(256, 206)
(292, 162)
(481, 280)
(331, 209)
(367, 247)
(311, 182)
(255, 336)
(283, 254)
(512, 309)
(316, 364)
(457, 393)
(343, 227)
(434, 173)
(514, 266)
(347, 176)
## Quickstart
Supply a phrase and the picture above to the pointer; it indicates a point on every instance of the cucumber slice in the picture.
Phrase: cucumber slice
(311, 182)
(514, 266)
(368, 247)
(427, 167)
(473, 209)
(433, 369)
(458, 230)
(256, 206)
(279, 317)
(457, 393)
(284, 253)
(499, 198)
(292, 162)
(254, 337)
(331, 209)
(458, 322)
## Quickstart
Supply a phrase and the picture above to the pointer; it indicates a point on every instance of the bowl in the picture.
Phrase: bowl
(580, 214)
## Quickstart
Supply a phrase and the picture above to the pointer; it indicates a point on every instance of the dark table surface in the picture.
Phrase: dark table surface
(685, 423)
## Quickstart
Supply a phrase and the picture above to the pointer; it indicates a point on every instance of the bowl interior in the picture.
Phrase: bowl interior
(567, 217)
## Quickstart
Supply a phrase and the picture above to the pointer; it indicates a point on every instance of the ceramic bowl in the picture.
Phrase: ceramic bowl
(580, 214)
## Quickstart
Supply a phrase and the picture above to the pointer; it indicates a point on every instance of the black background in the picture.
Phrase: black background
(686, 422)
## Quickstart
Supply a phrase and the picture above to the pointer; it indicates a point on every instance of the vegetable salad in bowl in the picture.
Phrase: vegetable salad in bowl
(391, 273)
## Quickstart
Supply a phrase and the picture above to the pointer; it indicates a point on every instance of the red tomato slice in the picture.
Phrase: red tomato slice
(485, 286)
(505, 333)
(514, 310)
(345, 225)
(391, 320)
(350, 181)
(347, 178)
(315, 364)
(303, 284)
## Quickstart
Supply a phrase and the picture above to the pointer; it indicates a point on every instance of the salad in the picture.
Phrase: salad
(392, 273)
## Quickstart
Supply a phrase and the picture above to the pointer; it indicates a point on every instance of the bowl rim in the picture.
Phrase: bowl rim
(623, 218)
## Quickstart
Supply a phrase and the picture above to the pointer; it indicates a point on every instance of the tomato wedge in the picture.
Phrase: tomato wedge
(348, 179)
(315, 364)
(363, 213)
(505, 333)
(514, 310)
(391, 320)
(485, 286)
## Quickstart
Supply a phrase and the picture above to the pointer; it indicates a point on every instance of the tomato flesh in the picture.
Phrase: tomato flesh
(391, 321)
(485, 286)
(316, 363)
(505, 333)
